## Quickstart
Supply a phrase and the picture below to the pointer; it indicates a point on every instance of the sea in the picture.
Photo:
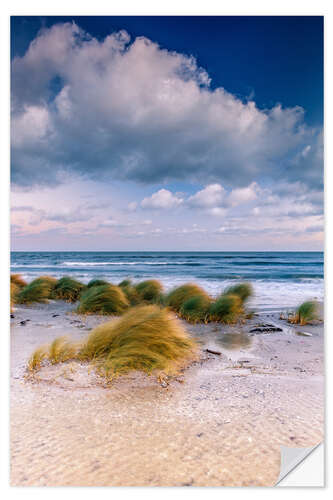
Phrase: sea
(281, 280)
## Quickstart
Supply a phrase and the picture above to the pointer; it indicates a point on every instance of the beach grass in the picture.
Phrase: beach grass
(126, 282)
(243, 290)
(97, 282)
(305, 313)
(178, 296)
(17, 280)
(61, 350)
(68, 289)
(36, 358)
(147, 338)
(196, 309)
(14, 290)
(132, 294)
(226, 308)
(39, 290)
(150, 291)
(103, 299)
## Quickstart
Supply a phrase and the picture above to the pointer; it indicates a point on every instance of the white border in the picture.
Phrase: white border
(139, 7)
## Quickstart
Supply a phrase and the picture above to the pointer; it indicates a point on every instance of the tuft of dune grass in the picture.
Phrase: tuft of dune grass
(103, 299)
(39, 290)
(196, 309)
(243, 290)
(17, 280)
(61, 350)
(125, 283)
(146, 338)
(306, 312)
(132, 294)
(36, 359)
(178, 296)
(14, 290)
(68, 289)
(150, 291)
(49, 281)
(97, 282)
(226, 308)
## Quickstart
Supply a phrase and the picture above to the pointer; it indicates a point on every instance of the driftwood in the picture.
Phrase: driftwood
(214, 352)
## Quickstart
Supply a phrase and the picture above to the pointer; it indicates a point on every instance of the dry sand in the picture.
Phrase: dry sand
(220, 424)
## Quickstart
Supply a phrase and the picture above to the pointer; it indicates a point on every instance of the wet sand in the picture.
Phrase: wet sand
(221, 423)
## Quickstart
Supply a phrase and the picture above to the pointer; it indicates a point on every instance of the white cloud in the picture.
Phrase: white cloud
(136, 111)
(244, 195)
(162, 199)
(210, 196)
(218, 211)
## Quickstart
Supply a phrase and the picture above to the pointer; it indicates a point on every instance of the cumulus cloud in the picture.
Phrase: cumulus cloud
(162, 199)
(131, 110)
(210, 196)
(244, 195)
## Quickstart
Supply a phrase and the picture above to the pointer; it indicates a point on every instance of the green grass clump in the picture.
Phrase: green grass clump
(177, 297)
(17, 280)
(131, 294)
(150, 291)
(125, 283)
(130, 291)
(39, 290)
(68, 289)
(46, 280)
(196, 309)
(103, 299)
(243, 290)
(146, 338)
(226, 308)
(306, 312)
(97, 282)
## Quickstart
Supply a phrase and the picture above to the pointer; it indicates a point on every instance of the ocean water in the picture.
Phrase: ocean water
(280, 279)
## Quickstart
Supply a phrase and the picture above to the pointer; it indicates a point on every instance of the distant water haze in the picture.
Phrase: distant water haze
(280, 279)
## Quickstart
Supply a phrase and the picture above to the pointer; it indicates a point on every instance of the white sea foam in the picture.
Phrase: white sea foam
(121, 263)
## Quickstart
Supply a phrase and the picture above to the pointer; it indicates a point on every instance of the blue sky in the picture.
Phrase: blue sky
(175, 133)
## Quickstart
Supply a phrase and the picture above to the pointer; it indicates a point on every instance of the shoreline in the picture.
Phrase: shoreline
(225, 413)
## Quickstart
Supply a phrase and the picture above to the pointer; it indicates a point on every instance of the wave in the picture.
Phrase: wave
(127, 263)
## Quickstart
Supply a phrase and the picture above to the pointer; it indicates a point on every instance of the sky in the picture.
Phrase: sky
(167, 133)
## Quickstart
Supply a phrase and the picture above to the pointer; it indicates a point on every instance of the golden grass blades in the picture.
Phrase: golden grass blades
(103, 299)
(146, 338)
(36, 358)
(18, 280)
(14, 290)
(61, 350)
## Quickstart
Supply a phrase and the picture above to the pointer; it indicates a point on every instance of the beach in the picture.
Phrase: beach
(220, 423)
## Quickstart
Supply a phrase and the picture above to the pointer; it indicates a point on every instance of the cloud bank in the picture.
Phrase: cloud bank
(130, 110)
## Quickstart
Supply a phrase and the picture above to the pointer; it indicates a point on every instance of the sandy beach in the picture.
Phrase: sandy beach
(221, 423)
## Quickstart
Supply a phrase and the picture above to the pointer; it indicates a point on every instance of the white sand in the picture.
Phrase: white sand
(220, 424)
